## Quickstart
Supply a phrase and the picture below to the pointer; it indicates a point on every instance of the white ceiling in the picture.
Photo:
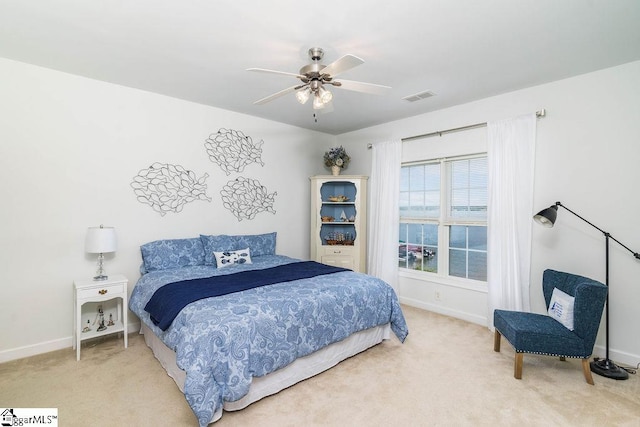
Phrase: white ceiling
(198, 50)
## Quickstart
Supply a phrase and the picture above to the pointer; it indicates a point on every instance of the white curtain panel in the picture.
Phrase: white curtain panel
(384, 215)
(511, 158)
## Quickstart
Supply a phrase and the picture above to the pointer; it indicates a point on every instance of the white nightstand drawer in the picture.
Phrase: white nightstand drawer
(105, 291)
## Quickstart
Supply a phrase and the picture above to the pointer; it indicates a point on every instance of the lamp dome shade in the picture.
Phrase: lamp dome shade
(547, 217)
(100, 240)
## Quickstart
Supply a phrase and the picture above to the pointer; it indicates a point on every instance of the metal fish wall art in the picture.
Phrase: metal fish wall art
(168, 187)
(246, 197)
(232, 150)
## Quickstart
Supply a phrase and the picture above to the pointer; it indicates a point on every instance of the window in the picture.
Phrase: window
(443, 217)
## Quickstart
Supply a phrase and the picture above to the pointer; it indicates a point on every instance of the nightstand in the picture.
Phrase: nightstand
(97, 291)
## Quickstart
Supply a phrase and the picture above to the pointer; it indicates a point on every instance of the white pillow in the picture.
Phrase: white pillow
(561, 308)
(227, 258)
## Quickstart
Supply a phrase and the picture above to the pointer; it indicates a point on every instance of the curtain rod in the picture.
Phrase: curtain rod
(539, 114)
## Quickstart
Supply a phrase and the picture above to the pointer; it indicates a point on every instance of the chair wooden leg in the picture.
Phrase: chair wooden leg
(517, 368)
(587, 371)
(496, 341)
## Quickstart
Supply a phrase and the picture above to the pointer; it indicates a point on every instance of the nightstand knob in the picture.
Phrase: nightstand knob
(102, 291)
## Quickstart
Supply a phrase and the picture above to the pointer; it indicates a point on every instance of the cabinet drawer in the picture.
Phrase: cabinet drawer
(338, 250)
(338, 261)
(104, 291)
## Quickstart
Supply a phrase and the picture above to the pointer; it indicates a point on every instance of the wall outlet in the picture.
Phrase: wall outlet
(437, 296)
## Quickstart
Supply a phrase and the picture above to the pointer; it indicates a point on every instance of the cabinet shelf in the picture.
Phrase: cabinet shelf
(328, 237)
(117, 327)
(338, 222)
(338, 203)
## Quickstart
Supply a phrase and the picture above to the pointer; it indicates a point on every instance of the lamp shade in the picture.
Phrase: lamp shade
(100, 240)
(547, 217)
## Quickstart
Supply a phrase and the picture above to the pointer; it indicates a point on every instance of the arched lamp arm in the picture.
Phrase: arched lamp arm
(606, 234)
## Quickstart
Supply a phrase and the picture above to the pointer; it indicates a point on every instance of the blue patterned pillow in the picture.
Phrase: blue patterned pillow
(213, 244)
(173, 253)
(258, 244)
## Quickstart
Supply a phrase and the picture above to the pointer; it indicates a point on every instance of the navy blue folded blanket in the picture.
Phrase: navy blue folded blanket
(167, 301)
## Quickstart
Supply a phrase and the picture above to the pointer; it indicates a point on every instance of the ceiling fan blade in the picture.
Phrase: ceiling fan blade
(363, 87)
(276, 95)
(341, 65)
(264, 70)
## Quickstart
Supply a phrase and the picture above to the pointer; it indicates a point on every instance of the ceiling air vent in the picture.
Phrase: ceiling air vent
(418, 96)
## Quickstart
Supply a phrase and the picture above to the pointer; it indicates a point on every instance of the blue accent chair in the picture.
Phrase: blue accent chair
(542, 334)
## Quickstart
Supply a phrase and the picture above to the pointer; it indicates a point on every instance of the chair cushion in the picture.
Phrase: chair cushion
(538, 333)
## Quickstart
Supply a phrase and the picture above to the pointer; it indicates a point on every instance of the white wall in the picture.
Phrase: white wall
(587, 154)
(70, 147)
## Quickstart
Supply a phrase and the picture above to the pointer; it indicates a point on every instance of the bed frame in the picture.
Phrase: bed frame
(301, 369)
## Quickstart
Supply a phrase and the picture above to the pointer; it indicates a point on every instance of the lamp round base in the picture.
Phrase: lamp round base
(607, 368)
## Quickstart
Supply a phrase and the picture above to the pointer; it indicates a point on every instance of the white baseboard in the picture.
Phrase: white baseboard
(47, 346)
(619, 357)
(472, 318)
(34, 349)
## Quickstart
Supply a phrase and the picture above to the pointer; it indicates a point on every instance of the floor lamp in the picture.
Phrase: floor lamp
(604, 367)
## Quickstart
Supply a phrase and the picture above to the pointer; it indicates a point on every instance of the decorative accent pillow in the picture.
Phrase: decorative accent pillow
(172, 253)
(259, 244)
(561, 308)
(227, 258)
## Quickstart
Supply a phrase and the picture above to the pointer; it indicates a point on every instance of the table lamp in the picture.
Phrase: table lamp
(100, 240)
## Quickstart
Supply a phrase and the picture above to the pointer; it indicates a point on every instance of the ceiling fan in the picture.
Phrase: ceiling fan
(314, 76)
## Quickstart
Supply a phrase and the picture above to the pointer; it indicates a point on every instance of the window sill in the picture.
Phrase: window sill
(472, 285)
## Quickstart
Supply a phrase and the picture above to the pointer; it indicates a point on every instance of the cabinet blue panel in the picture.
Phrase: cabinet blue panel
(335, 227)
(338, 188)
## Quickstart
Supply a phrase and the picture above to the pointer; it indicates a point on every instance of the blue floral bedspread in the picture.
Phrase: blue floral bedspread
(223, 342)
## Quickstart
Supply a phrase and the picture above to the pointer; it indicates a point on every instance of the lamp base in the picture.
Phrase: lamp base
(607, 368)
(100, 277)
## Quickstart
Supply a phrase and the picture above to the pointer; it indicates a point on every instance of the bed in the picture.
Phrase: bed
(226, 350)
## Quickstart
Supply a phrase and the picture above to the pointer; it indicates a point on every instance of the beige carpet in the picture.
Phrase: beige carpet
(446, 374)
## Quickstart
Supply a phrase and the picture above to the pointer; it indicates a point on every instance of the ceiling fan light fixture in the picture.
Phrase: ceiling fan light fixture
(314, 76)
(325, 95)
(303, 95)
(317, 102)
